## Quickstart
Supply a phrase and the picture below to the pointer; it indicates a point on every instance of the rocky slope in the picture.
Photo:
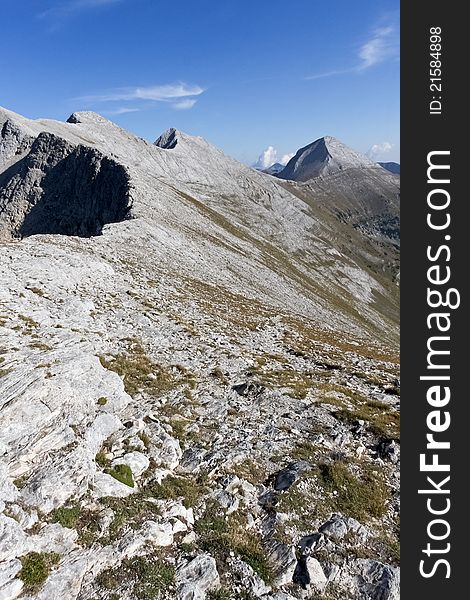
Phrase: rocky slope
(200, 402)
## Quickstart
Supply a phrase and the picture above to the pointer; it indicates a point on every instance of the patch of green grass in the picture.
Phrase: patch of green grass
(172, 488)
(129, 512)
(21, 481)
(217, 373)
(220, 594)
(298, 383)
(84, 520)
(66, 516)
(35, 568)
(153, 579)
(360, 496)
(302, 510)
(4, 372)
(180, 432)
(393, 547)
(381, 420)
(304, 450)
(122, 473)
(101, 459)
(220, 535)
(133, 510)
(141, 374)
(147, 578)
(102, 401)
(178, 427)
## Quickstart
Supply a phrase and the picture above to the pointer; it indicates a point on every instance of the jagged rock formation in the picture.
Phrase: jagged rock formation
(32, 190)
(202, 400)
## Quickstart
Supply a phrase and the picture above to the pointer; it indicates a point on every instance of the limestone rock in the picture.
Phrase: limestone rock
(197, 577)
(284, 562)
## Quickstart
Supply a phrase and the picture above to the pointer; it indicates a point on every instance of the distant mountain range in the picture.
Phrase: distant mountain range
(393, 167)
(274, 169)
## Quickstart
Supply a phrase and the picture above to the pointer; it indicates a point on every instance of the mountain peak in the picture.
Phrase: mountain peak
(86, 116)
(168, 139)
(324, 156)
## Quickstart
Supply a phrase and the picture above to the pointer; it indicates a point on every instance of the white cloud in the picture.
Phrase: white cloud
(184, 104)
(269, 156)
(120, 111)
(383, 45)
(63, 9)
(180, 95)
(286, 158)
(376, 151)
(332, 73)
(159, 93)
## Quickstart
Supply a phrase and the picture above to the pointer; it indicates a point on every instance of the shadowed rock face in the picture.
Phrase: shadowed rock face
(58, 188)
(322, 157)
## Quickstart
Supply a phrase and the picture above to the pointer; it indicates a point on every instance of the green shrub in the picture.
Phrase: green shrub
(149, 578)
(36, 567)
(66, 516)
(122, 473)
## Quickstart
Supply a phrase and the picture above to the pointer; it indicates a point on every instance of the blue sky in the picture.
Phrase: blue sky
(246, 75)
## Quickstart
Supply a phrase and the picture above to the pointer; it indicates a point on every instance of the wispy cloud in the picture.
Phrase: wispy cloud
(62, 8)
(329, 73)
(121, 111)
(158, 93)
(184, 104)
(180, 96)
(382, 45)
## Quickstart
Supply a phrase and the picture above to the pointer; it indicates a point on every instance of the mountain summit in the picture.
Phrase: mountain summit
(325, 156)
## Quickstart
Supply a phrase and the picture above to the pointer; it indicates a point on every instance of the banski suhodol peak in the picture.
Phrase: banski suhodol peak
(199, 369)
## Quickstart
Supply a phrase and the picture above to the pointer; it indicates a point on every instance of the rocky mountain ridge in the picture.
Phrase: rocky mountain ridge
(199, 385)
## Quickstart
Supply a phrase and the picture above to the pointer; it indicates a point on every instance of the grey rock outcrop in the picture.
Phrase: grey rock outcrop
(61, 189)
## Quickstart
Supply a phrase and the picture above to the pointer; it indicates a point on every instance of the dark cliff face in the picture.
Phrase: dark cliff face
(58, 188)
